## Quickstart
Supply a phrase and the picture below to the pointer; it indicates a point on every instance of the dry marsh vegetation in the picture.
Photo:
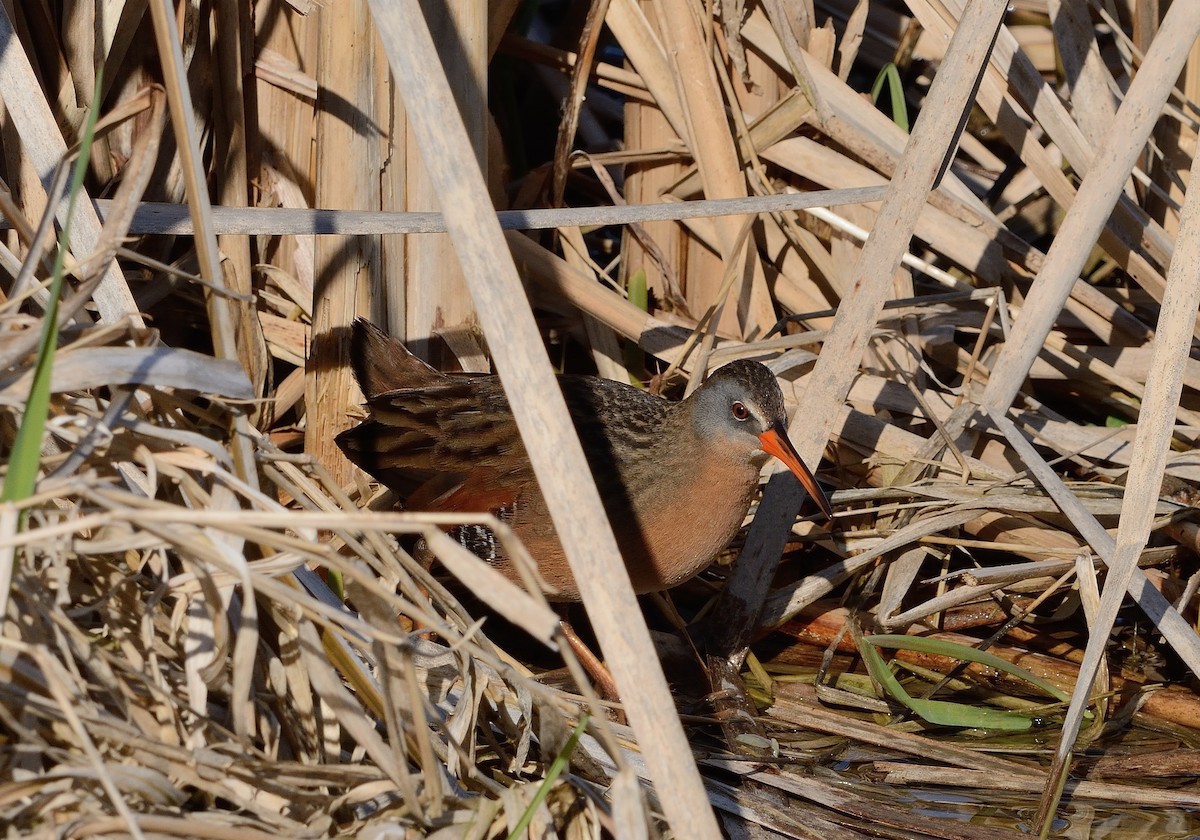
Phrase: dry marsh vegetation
(213, 627)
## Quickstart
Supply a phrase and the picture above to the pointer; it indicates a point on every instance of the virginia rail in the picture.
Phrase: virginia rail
(676, 478)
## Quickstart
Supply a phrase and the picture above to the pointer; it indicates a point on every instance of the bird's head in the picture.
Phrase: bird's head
(740, 408)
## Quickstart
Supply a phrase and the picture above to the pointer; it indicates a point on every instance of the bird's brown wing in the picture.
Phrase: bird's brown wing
(458, 426)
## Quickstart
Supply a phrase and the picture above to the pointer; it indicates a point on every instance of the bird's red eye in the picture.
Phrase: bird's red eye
(740, 412)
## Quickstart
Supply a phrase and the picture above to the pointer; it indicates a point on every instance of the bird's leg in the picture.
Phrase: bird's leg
(605, 684)
(424, 558)
(734, 709)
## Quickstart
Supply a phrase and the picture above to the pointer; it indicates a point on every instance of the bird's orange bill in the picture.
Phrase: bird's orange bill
(775, 442)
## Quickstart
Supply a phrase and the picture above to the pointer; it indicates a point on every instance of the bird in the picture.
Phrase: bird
(676, 478)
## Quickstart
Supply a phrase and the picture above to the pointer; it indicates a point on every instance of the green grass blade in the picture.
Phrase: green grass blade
(639, 290)
(940, 647)
(939, 712)
(891, 75)
(556, 768)
(26, 456)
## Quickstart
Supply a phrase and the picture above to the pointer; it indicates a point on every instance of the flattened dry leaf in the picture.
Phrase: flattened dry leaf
(163, 367)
